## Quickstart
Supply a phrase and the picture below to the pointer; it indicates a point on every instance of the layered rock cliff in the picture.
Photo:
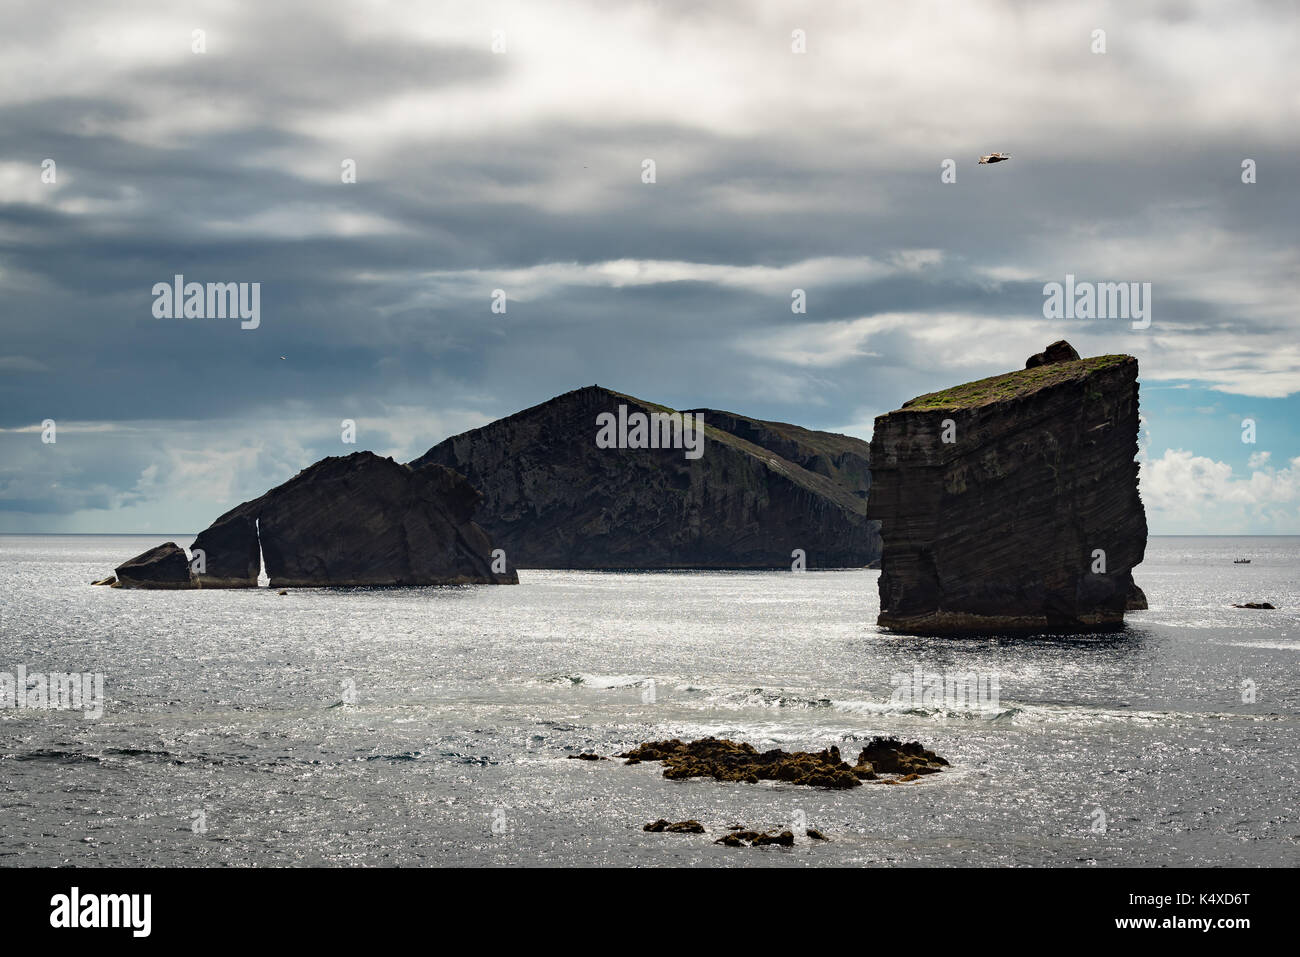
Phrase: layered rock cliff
(350, 520)
(554, 498)
(1011, 504)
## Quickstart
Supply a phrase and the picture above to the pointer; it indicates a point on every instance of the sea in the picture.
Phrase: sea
(435, 726)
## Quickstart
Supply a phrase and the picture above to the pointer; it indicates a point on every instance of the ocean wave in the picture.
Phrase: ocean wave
(740, 699)
(54, 755)
(403, 756)
(762, 698)
(598, 682)
(1013, 712)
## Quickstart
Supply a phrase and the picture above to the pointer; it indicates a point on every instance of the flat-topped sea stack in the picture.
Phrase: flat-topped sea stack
(350, 520)
(598, 479)
(1010, 505)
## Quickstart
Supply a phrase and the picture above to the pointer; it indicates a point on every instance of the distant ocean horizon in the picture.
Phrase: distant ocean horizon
(432, 725)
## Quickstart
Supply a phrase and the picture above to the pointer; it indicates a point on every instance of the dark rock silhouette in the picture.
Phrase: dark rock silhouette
(163, 567)
(1262, 605)
(353, 520)
(232, 556)
(758, 491)
(1011, 504)
(1058, 351)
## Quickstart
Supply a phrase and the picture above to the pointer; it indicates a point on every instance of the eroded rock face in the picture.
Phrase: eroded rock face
(163, 567)
(230, 551)
(1011, 504)
(354, 520)
(760, 490)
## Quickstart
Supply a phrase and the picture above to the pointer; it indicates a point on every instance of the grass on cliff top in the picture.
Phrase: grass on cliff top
(1010, 385)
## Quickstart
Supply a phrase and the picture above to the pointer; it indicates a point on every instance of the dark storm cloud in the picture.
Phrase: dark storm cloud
(476, 172)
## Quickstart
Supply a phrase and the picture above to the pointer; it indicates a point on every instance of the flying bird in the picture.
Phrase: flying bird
(994, 158)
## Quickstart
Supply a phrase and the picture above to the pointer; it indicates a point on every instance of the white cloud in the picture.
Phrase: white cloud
(536, 282)
(1191, 493)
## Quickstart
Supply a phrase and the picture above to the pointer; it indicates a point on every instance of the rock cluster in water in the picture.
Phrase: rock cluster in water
(1011, 504)
(681, 827)
(725, 760)
(745, 837)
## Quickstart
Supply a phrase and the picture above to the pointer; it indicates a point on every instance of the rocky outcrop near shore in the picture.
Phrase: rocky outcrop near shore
(1011, 504)
(162, 567)
(756, 492)
(350, 520)
(354, 520)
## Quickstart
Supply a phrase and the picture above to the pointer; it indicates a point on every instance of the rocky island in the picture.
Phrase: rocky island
(1011, 504)
(348, 520)
(757, 490)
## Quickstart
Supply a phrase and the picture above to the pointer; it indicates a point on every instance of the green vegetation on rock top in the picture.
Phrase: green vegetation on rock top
(1011, 385)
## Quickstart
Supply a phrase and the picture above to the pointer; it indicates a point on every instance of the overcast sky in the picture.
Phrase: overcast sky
(521, 169)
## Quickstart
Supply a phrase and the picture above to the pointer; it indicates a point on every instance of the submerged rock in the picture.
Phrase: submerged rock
(891, 756)
(553, 498)
(354, 520)
(1011, 504)
(745, 838)
(681, 827)
(725, 760)
(1256, 604)
(163, 567)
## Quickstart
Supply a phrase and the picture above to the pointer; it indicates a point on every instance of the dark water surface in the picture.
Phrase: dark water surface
(226, 739)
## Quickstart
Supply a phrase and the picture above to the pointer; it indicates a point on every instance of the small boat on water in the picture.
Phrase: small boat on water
(1241, 561)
